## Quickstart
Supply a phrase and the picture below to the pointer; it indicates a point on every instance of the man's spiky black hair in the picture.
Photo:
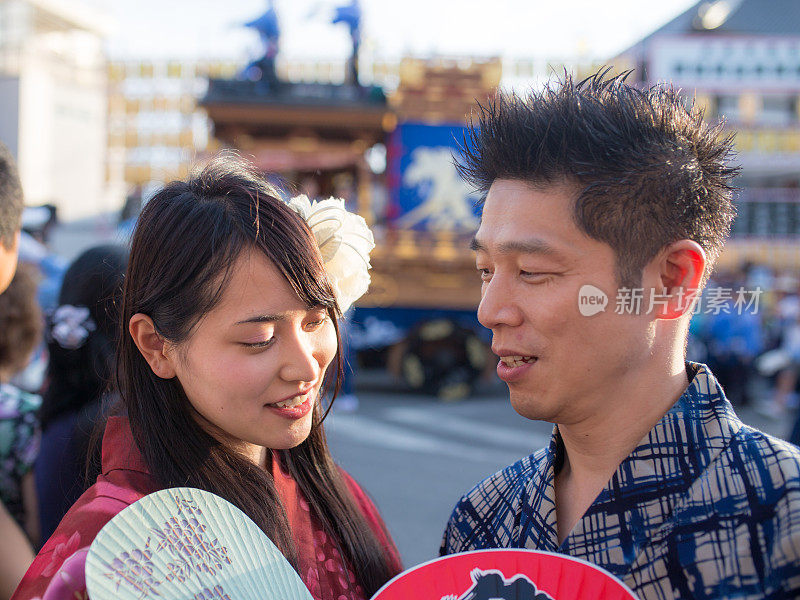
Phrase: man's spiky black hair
(647, 169)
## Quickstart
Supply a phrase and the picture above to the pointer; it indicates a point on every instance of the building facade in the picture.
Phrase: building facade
(53, 103)
(156, 131)
(741, 61)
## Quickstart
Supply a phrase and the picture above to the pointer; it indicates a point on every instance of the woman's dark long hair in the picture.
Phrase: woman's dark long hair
(78, 376)
(187, 239)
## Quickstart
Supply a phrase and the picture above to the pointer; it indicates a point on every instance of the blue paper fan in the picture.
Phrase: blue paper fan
(184, 543)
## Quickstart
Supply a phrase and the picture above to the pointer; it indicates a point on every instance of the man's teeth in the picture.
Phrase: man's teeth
(291, 402)
(516, 361)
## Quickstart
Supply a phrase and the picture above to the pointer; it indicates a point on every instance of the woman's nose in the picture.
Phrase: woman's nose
(300, 362)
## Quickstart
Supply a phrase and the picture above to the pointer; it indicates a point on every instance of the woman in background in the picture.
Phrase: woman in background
(229, 319)
(81, 342)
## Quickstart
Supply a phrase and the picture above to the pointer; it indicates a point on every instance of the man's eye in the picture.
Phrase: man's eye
(485, 274)
(534, 276)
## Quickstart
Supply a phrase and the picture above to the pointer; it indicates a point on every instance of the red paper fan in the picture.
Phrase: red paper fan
(507, 574)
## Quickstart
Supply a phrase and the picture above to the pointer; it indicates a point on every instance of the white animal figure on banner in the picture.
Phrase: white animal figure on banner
(448, 205)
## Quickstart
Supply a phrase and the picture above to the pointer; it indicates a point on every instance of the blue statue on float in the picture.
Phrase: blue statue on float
(350, 15)
(263, 68)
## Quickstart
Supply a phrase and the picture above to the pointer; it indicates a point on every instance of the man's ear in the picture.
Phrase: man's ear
(151, 345)
(8, 261)
(679, 270)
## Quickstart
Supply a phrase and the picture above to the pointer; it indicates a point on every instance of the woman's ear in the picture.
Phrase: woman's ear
(151, 345)
(680, 269)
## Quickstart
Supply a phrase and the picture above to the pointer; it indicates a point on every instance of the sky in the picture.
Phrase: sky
(554, 29)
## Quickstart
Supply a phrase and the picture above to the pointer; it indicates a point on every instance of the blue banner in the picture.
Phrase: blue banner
(427, 192)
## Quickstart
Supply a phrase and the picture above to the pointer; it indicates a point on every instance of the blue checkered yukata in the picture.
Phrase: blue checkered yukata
(705, 507)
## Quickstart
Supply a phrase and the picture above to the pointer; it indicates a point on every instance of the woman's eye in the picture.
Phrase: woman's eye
(317, 321)
(485, 274)
(262, 344)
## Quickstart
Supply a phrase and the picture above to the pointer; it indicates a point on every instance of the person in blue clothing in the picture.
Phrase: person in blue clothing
(735, 339)
(606, 206)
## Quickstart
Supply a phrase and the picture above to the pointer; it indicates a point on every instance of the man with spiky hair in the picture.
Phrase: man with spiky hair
(10, 216)
(605, 209)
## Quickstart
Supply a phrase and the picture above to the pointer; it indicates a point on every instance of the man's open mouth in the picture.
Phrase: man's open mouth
(517, 361)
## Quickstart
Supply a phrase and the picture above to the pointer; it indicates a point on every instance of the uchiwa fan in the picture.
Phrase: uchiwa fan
(184, 543)
(509, 574)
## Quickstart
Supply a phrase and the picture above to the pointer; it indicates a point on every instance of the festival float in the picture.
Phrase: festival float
(418, 319)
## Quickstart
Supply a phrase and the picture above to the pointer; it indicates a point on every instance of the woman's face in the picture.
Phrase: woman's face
(254, 365)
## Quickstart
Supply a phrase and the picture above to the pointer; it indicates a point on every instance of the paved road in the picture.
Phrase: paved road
(415, 456)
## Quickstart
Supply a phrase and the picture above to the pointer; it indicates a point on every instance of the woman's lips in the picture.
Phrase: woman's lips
(294, 410)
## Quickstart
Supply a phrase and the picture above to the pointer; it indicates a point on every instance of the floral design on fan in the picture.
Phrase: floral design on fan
(215, 593)
(188, 505)
(345, 241)
(192, 550)
(187, 542)
(136, 569)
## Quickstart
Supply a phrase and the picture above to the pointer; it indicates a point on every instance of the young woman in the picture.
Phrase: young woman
(230, 325)
(82, 333)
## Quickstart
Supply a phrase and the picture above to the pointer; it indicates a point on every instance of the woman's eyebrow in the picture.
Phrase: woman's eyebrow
(263, 319)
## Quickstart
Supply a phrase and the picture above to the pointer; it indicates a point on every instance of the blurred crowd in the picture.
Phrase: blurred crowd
(55, 365)
(746, 327)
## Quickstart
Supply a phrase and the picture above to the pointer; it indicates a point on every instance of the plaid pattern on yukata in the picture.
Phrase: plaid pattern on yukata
(705, 507)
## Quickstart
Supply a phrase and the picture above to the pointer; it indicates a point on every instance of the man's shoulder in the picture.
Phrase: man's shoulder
(486, 516)
(767, 467)
(754, 479)
(764, 454)
(512, 480)
(744, 508)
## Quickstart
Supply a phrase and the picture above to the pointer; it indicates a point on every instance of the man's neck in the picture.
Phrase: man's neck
(595, 446)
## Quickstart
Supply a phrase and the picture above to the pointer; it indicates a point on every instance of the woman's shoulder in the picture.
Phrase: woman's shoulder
(96, 507)
(362, 499)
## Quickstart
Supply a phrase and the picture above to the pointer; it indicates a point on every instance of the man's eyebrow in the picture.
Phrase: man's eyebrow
(263, 319)
(529, 246)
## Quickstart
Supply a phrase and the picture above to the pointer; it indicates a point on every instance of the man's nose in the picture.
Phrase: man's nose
(498, 305)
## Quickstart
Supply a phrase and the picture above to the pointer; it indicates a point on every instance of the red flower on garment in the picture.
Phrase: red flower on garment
(62, 552)
(312, 583)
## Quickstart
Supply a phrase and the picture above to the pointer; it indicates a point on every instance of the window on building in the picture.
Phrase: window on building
(778, 110)
(728, 107)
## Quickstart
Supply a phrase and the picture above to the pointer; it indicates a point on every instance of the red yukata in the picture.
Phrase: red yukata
(57, 573)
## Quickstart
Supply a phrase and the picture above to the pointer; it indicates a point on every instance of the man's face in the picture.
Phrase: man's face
(560, 365)
(8, 263)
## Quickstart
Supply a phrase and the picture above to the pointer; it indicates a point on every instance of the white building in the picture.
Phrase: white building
(741, 59)
(53, 103)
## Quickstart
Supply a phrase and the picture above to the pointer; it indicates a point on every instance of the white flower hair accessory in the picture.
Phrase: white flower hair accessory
(345, 241)
(71, 326)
